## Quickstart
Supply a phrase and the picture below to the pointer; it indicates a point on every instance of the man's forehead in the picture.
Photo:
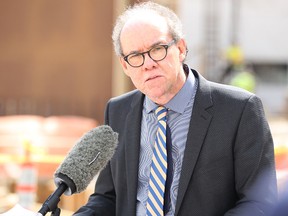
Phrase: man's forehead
(143, 35)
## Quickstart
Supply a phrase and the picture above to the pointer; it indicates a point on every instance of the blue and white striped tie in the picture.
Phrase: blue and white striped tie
(158, 172)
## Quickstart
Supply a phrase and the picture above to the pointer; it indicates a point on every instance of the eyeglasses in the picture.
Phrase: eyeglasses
(156, 53)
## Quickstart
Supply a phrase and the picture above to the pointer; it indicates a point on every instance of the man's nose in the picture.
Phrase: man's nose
(148, 61)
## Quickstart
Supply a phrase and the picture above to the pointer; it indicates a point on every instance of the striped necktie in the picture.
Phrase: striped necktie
(158, 172)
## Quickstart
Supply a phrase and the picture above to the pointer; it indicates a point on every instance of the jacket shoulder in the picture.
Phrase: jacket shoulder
(124, 101)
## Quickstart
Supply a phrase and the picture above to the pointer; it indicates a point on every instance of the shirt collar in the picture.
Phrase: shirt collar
(179, 102)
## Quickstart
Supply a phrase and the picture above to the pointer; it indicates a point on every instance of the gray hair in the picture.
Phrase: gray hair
(173, 22)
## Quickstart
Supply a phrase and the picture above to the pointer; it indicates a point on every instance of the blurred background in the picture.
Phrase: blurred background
(58, 69)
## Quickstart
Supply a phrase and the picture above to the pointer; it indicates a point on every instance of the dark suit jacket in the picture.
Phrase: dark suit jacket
(228, 166)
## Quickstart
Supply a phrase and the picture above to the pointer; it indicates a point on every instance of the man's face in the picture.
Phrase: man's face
(159, 80)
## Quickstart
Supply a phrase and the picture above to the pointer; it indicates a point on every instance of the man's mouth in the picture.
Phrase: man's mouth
(152, 78)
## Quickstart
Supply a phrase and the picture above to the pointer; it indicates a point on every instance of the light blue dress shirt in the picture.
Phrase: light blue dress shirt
(178, 119)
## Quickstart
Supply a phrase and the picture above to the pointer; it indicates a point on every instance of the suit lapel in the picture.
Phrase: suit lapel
(198, 127)
(132, 148)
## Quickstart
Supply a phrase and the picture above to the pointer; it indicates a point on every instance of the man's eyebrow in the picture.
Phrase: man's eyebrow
(153, 45)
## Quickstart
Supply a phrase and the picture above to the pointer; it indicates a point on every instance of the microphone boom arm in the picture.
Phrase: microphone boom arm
(51, 204)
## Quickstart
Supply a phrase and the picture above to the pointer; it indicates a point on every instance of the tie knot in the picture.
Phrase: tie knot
(161, 113)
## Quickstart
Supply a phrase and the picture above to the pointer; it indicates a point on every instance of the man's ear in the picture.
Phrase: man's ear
(183, 49)
(124, 65)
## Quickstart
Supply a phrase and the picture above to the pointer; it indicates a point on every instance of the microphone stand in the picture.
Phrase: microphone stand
(56, 212)
(51, 204)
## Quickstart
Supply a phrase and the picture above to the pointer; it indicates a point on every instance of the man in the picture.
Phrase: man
(281, 208)
(221, 154)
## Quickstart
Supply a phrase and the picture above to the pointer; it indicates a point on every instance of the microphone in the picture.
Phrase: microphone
(88, 157)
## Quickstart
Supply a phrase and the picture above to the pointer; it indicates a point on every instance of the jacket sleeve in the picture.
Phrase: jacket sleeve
(255, 175)
(102, 201)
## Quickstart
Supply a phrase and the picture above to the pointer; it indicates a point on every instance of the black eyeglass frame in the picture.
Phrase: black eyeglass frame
(166, 46)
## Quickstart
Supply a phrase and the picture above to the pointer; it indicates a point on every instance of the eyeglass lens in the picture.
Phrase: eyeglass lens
(157, 53)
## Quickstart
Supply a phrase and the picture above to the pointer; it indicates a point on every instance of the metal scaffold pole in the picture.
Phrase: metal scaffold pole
(211, 45)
